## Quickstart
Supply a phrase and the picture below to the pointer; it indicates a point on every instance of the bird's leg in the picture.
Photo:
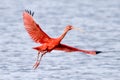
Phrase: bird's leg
(38, 56)
(39, 60)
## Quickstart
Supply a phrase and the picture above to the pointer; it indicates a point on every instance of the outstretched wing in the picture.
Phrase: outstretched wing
(66, 48)
(34, 30)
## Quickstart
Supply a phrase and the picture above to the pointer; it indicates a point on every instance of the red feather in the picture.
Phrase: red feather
(34, 30)
(67, 48)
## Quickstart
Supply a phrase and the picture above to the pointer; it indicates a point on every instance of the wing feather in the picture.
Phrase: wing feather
(66, 48)
(34, 30)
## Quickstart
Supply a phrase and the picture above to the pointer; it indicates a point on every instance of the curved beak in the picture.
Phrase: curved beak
(75, 28)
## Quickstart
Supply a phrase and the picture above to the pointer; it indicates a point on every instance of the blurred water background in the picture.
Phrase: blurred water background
(100, 19)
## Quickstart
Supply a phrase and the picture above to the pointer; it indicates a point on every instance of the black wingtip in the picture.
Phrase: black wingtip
(97, 52)
(30, 12)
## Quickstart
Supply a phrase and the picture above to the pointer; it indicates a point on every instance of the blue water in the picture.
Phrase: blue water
(100, 20)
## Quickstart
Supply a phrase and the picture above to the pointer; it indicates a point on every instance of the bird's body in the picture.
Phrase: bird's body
(47, 43)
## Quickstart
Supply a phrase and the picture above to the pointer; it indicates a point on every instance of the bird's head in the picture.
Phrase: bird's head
(70, 27)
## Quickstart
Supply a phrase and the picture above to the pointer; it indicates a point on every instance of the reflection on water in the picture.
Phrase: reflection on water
(99, 19)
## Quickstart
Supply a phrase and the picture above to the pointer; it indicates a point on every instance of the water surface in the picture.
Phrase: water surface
(99, 19)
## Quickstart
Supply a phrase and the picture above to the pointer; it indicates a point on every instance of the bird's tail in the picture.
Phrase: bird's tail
(37, 48)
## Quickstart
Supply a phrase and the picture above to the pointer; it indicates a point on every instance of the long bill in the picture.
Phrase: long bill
(75, 28)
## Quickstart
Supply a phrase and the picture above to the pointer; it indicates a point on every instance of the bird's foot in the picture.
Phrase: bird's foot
(36, 64)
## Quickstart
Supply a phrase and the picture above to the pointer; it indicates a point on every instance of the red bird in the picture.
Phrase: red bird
(47, 43)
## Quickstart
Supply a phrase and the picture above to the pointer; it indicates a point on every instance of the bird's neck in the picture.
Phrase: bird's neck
(63, 35)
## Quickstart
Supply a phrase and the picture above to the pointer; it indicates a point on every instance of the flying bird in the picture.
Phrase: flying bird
(48, 43)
